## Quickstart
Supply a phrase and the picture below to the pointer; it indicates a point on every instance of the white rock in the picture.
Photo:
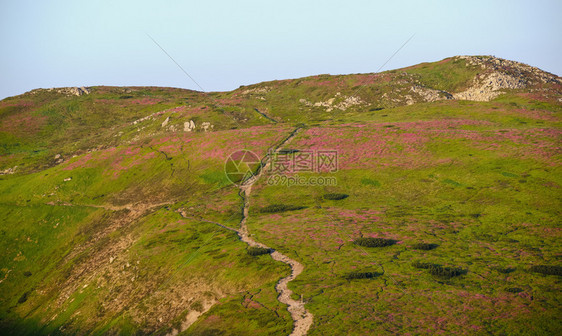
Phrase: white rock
(188, 126)
(205, 126)
(166, 122)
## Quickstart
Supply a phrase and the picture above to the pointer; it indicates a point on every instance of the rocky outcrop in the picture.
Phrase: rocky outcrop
(8, 171)
(516, 69)
(487, 87)
(188, 126)
(206, 126)
(258, 90)
(165, 122)
(69, 91)
(338, 102)
(499, 75)
(429, 95)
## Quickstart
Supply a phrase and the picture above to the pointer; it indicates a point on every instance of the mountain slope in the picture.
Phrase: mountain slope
(110, 199)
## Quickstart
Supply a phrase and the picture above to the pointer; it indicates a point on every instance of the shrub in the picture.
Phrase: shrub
(547, 269)
(288, 151)
(361, 275)
(27, 273)
(514, 290)
(424, 246)
(256, 251)
(423, 265)
(24, 297)
(335, 196)
(280, 208)
(374, 242)
(445, 272)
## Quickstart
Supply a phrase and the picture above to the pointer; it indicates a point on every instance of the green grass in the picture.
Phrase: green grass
(463, 198)
(451, 75)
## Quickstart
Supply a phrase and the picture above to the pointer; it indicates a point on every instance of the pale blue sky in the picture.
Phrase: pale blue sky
(225, 44)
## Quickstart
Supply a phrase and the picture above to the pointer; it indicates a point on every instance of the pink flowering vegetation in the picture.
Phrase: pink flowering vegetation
(369, 79)
(396, 206)
(216, 146)
(326, 248)
(321, 230)
(362, 147)
(115, 160)
(324, 81)
(15, 104)
(23, 124)
(258, 139)
(128, 102)
(130, 160)
(422, 144)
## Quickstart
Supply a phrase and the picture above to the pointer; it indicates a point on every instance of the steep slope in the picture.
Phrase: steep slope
(118, 217)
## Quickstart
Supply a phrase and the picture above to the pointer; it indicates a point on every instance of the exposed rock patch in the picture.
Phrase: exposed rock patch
(259, 90)
(499, 75)
(69, 91)
(338, 102)
(8, 171)
(430, 95)
(188, 126)
(487, 87)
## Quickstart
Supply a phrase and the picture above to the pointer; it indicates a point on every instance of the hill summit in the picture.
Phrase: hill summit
(411, 201)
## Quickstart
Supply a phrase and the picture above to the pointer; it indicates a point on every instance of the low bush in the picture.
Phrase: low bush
(504, 270)
(256, 251)
(361, 275)
(423, 265)
(514, 290)
(445, 272)
(374, 242)
(335, 196)
(27, 273)
(288, 151)
(280, 208)
(547, 269)
(438, 270)
(23, 298)
(424, 246)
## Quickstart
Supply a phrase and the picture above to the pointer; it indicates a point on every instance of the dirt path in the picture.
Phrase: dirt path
(302, 318)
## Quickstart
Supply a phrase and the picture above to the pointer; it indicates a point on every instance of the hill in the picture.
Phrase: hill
(423, 200)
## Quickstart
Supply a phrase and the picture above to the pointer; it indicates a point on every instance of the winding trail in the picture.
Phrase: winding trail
(301, 316)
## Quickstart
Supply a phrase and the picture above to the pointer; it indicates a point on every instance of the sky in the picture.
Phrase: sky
(225, 44)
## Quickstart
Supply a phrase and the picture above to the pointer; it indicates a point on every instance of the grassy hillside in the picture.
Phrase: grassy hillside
(110, 203)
